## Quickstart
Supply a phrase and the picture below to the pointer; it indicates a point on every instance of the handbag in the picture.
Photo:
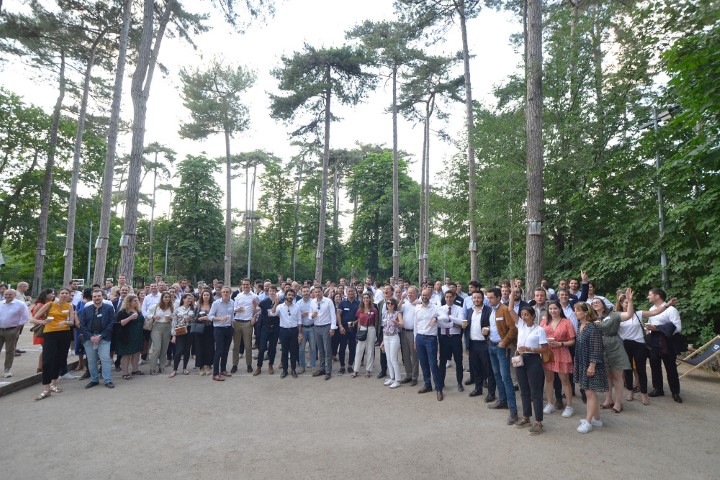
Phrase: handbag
(196, 327)
(148, 323)
(548, 357)
(182, 330)
(517, 360)
(362, 335)
(38, 330)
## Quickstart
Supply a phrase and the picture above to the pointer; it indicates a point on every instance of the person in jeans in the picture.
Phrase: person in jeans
(308, 336)
(221, 314)
(503, 334)
(96, 327)
(426, 343)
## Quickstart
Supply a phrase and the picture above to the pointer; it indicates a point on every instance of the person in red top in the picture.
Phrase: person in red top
(367, 319)
(561, 335)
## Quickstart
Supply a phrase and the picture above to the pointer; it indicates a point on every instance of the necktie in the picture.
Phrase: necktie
(447, 330)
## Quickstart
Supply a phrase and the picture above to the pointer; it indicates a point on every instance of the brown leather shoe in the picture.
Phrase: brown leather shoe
(498, 406)
(440, 396)
(425, 390)
(257, 372)
(270, 369)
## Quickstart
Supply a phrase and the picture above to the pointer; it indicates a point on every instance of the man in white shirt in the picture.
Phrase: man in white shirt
(407, 339)
(438, 294)
(290, 332)
(151, 299)
(324, 326)
(666, 324)
(308, 334)
(76, 295)
(13, 315)
(426, 343)
(449, 320)
(246, 306)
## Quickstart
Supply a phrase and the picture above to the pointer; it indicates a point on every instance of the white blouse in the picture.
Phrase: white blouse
(632, 329)
(530, 337)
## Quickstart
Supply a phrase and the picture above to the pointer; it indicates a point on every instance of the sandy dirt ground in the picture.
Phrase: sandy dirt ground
(265, 427)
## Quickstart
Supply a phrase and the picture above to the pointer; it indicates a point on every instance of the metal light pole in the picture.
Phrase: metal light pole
(167, 239)
(89, 253)
(661, 209)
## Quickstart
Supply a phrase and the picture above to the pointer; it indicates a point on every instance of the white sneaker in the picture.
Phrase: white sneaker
(596, 423)
(568, 412)
(7, 373)
(395, 384)
(549, 408)
(584, 427)
(141, 362)
(69, 376)
(448, 364)
(387, 382)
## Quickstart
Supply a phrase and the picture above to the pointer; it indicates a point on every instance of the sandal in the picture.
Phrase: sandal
(645, 402)
(44, 394)
(367, 375)
(55, 389)
(616, 410)
(218, 378)
(605, 407)
(354, 375)
(127, 377)
(138, 372)
(629, 399)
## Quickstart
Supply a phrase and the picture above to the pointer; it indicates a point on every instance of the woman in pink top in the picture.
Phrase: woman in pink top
(561, 335)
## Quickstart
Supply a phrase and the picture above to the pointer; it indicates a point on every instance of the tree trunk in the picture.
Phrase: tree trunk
(151, 254)
(72, 204)
(423, 220)
(109, 171)
(396, 200)
(46, 193)
(323, 190)
(430, 106)
(140, 92)
(535, 195)
(228, 213)
(470, 148)
(336, 200)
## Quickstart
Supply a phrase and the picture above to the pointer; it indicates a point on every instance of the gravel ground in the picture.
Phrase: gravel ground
(190, 427)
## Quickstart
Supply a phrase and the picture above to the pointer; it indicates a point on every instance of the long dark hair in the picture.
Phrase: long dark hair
(42, 296)
(557, 304)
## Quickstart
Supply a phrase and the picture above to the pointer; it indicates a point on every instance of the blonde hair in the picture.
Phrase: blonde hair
(128, 301)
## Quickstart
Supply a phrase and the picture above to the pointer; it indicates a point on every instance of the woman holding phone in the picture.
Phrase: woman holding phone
(130, 335)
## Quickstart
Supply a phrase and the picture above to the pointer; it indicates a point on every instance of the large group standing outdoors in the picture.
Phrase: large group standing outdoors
(543, 343)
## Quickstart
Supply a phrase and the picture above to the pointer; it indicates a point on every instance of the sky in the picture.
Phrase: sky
(318, 23)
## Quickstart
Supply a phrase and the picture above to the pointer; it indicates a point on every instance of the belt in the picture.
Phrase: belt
(318, 326)
(428, 336)
(307, 326)
(241, 321)
(409, 329)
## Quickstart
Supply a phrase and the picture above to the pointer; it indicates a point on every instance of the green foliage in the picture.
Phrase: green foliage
(370, 247)
(213, 97)
(197, 227)
(306, 78)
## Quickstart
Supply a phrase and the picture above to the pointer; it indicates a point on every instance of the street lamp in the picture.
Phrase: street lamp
(657, 118)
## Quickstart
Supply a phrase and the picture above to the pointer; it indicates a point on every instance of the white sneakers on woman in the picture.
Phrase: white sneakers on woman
(586, 427)
(568, 412)
(549, 408)
(395, 384)
(388, 382)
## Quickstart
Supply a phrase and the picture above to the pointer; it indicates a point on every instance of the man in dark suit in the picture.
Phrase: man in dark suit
(269, 332)
(478, 323)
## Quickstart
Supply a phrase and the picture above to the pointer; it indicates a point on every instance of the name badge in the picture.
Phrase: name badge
(499, 318)
(65, 311)
(346, 309)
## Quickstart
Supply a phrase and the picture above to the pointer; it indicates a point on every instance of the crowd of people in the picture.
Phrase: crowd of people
(543, 344)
